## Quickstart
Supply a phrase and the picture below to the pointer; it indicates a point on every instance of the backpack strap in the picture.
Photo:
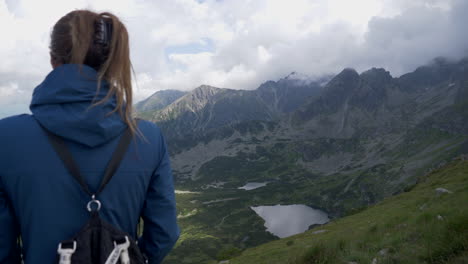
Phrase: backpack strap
(117, 157)
(67, 159)
(65, 155)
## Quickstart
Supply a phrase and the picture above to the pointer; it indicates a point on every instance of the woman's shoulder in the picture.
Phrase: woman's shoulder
(17, 131)
(148, 127)
(151, 138)
(16, 122)
(150, 130)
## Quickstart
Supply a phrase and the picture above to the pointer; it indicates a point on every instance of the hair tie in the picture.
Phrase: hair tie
(103, 32)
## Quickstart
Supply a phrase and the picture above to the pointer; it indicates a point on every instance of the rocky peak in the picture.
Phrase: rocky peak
(343, 84)
(376, 76)
(440, 70)
(267, 85)
(297, 76)
(288, 93)
(199, 97)
(205, 91)
(372, 92)
(347, 75)
(159, 100)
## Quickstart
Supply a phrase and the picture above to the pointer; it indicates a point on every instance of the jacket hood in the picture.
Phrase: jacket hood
(61, 103)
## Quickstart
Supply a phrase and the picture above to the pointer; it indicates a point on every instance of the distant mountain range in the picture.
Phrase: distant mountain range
(206, 107)
(368, 106)
(383, 102)
(338, 143)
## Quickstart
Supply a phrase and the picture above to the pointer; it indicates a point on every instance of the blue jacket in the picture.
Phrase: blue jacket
(42, 203)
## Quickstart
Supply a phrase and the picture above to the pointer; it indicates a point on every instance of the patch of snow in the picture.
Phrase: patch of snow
(185, 192)
(253, 185)
(319, 231)
(219, 200)
(442, 191)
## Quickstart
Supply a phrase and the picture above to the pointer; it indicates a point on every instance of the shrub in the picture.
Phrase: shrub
(228, 253)
(319, 254)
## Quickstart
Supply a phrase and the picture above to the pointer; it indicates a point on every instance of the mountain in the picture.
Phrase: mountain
(159, 100)
(285, 95)
(350, 108)
(338, 145)
(208, 108)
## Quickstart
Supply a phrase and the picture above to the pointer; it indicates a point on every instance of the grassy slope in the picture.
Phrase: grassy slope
(406, 226)
(210, 230)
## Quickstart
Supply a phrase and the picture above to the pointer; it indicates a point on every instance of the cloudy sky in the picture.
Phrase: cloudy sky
(181, 44)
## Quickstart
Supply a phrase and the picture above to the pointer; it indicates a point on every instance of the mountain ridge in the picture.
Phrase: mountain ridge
(342, 146)
(208, 107)
(159, 100)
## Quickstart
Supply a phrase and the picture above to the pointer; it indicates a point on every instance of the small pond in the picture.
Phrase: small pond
(253, 185)
(288, 220)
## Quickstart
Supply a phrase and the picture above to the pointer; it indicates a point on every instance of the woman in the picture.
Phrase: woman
(87, 101)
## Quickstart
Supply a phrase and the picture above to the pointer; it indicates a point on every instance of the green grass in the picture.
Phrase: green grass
(216, 230)
(213, 231)
(405, 228)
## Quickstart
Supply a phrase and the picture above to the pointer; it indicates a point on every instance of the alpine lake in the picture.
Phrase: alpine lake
(219, 221)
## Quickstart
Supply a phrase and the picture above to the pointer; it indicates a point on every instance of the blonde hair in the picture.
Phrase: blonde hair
(73, 40)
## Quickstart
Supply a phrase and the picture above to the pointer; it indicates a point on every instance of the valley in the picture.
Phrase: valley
(338, 145)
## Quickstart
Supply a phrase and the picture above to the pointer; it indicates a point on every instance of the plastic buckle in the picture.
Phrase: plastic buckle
(124, 257)
(66, 253)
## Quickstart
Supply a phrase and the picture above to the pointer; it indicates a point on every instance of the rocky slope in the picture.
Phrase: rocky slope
(366, 111)
(208, 108)
(338, 145)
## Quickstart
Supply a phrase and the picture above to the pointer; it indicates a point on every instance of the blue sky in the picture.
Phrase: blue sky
(203, 45)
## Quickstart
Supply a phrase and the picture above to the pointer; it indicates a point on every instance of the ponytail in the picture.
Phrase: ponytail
(99, 41)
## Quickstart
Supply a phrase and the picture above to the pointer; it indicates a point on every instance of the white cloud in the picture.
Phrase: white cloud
(250, 41)
(263, 54)
(9, 90)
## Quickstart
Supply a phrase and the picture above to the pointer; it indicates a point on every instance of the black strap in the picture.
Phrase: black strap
(117, 157)
(67, 158)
